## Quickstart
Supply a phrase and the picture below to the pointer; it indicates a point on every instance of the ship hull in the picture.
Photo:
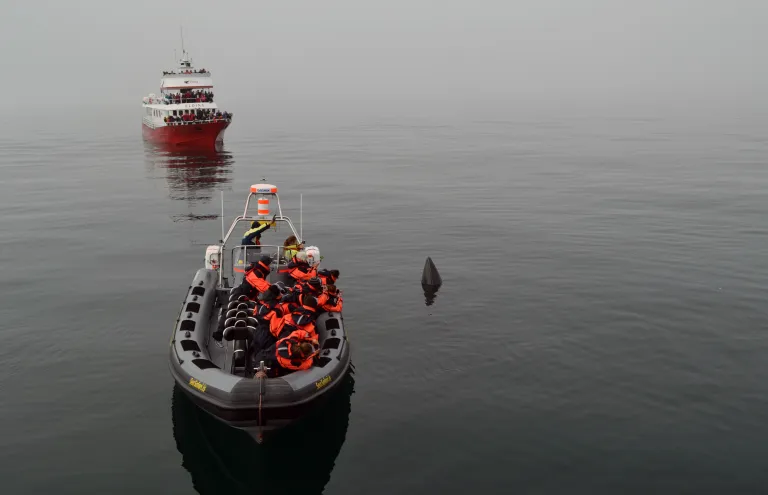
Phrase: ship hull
(192, 134)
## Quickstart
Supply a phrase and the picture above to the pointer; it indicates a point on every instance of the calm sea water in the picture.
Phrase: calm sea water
(601, 328)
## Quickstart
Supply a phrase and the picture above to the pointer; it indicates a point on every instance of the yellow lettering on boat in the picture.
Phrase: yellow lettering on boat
(323, 382)
(198, 385)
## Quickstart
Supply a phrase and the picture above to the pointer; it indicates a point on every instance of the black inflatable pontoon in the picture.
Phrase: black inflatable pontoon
(218, 376)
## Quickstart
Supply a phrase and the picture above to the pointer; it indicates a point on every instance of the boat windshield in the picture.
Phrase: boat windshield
(241, 255)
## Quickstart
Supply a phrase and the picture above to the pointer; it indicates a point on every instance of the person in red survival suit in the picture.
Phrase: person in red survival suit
(271, 310)
(313, 288)
(302, 317)
(333, 301)
(296, 351)
(303, 266)
(255, 281)
(328, 277)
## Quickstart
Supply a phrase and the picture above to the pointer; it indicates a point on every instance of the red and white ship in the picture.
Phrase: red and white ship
(184, 113)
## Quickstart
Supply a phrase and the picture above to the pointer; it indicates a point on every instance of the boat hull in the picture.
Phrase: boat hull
(192, 134)
(273, 418)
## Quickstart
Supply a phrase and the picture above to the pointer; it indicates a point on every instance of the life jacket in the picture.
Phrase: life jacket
(290, 251)
(296, 361)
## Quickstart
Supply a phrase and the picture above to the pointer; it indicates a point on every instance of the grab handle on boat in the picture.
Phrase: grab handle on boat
(261, 374)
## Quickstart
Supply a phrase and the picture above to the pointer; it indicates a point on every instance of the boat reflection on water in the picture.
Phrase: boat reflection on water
(297, 459)
(193, 173)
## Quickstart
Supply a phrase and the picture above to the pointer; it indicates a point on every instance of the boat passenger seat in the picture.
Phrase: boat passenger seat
(241, 334)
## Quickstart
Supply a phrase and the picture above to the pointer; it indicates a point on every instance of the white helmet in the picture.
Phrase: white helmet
(313, 255)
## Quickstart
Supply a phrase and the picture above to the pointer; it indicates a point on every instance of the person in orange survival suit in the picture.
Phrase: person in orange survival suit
(302, 317)
(255, 281)
(328, 277)
(293, 352)
(333, 301)
(313, 288)
(303, 266)
(296, 351)
(270, 313)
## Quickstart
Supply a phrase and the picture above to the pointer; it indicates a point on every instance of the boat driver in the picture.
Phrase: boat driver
(252, 237)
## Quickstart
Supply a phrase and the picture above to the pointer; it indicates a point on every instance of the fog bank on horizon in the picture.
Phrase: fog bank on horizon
(90, 51)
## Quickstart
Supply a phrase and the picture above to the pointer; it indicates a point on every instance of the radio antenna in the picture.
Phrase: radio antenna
(301, 218)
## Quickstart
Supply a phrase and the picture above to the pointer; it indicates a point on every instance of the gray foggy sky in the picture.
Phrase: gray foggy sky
(398, 49)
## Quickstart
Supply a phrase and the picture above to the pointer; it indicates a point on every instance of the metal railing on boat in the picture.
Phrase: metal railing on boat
(194, 122)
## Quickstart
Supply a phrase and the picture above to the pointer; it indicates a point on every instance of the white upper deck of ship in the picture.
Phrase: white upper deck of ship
(185, 87)
(186, 76)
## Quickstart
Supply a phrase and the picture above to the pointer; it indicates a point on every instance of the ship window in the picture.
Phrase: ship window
(174, 112)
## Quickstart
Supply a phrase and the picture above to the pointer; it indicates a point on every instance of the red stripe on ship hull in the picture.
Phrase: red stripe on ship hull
(197, 134)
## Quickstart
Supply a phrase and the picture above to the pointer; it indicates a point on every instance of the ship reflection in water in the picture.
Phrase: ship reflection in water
(298, 459)
(193, 174)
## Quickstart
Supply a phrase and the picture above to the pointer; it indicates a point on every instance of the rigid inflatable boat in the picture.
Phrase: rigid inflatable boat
(219, 376)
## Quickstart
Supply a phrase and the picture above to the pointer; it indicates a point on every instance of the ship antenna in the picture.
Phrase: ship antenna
(301, 218)
(222, 216)
(181, 30)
